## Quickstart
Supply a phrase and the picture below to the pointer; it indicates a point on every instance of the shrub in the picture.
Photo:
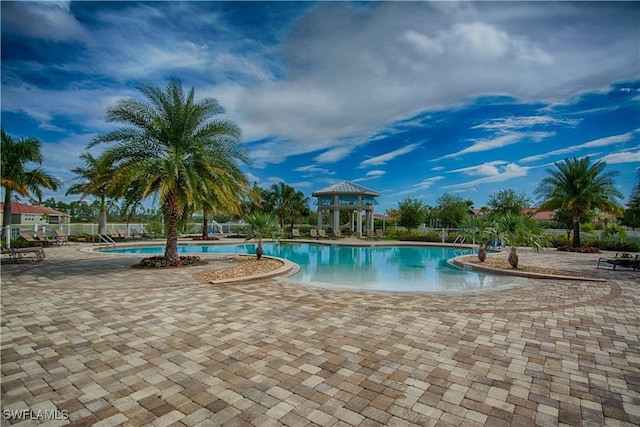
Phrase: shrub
(580, 249)
(614, 245)
(161, 262)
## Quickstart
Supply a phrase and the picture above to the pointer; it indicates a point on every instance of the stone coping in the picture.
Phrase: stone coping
(288, 269)
(458, 262)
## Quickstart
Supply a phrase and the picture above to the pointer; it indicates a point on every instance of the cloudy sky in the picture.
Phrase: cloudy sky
(412, 99)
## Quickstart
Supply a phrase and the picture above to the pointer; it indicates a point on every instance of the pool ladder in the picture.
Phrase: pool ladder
(459, 240)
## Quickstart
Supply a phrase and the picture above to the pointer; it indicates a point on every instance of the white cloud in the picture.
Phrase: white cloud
(485, 169)
(370, 175)
(600, 142)
(622, 157)
(515, 123)
(387, 157)
(500, 141)
(422, 185)
(45, 20)
(511, 171)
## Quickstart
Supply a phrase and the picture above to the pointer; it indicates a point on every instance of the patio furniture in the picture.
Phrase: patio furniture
(337, 234)
(322, 234)
(371, 235)
(18, 254)
(380, 234)
(313, 233)
(29, 238)
(295, 233)
(61, 237)
(42, 236)
(621, 260)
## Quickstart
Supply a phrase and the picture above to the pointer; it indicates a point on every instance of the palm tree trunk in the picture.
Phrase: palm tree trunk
(576, 228)
(6, 215)
(513, 257)
(102, 216)
(171, 251)
(205, 224)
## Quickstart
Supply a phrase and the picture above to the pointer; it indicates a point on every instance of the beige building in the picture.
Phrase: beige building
(23, 214)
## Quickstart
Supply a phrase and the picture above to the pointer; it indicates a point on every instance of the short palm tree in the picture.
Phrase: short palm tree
(93, 179)
(17, 177)
(579, 186)
(171, 146)
(518, 230)
(481, 231)
(261, 226)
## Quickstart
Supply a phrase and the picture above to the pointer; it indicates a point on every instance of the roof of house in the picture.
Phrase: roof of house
(346, 187)
(24, 209)
(532, 212)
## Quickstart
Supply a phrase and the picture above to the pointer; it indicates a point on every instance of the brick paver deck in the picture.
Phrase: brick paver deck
(88, 337)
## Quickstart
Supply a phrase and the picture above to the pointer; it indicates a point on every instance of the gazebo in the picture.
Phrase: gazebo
(350, 197)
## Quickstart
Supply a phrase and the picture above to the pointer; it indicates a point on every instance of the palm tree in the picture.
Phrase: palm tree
(172, 146)
(579, 186)
(261, 226)
(299, 206)
(94, 180)
(481, 230)
(223, 197)
(518, 229)
(16, 177)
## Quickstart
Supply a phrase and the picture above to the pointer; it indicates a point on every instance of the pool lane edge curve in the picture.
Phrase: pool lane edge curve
(458, 262)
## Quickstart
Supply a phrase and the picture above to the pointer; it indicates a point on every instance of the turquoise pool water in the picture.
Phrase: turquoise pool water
(376, 268)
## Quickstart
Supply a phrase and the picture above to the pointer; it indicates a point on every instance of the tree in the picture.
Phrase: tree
(505, 201)
(261, 226)
(481, 231)
(517, 229)
(631, 216)
(17, 177)
(451, 209)
(579, 186)
(286, 202)
(94, 180)
(412, 213)
(171, 147)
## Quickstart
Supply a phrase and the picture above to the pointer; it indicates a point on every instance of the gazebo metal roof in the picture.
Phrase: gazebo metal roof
(346, 187)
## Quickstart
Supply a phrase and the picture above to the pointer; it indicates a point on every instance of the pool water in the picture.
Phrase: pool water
(375, 268)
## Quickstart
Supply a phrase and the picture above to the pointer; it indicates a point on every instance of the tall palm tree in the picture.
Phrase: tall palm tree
(579, 186)
(94, 180)
(171, 146)
(17, 177)
(225, 196)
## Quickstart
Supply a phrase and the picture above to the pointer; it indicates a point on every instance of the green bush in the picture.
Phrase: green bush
(614, 245)
(161, 262)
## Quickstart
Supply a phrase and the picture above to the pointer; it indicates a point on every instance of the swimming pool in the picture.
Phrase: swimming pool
(374, 268)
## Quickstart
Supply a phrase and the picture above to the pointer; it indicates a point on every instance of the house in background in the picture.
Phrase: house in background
(23, 214)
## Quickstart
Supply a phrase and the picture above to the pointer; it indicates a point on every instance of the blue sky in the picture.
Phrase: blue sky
(412, 99)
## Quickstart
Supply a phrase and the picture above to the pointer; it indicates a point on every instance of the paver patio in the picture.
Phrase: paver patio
(107, 345)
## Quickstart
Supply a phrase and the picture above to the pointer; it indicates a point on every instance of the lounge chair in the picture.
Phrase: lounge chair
(322, 234)
(371, 234)
(61, 237)
(42, 236)
(621, 260)
(123, 234)
(29, 238)
(114, 235)
(313, 233)
(135, 234)
(295, 233)
(380, 234)
(337, 234)
(16, 254)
